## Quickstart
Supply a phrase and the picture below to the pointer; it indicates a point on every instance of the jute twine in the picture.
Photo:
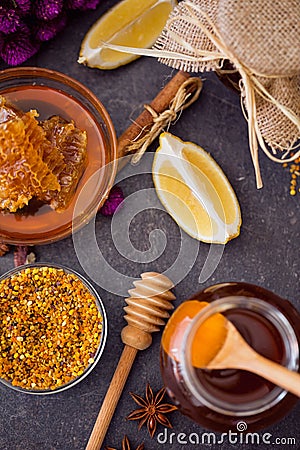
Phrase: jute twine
(181, 101)
(261, 39)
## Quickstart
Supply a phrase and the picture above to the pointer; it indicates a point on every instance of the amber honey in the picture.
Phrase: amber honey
(37, 222)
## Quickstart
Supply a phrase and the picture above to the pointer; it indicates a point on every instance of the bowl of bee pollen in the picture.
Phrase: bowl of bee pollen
(63, 140)
(53, 331)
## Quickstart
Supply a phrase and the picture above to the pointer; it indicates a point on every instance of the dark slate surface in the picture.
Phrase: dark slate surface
(266, 252)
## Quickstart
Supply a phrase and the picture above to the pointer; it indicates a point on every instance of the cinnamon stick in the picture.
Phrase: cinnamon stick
(144, 121)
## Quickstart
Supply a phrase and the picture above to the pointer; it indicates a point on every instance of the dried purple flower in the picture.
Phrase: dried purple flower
(9, 20)
(25, 24)
(23, 5)
(75, 4)
(90, 4)
(114, 200)
(15, 48)
(82, 4)
(20, 255)
(47, 30)
(48, 9)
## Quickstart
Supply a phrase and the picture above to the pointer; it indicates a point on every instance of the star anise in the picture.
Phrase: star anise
(152, 410)
(126, 445)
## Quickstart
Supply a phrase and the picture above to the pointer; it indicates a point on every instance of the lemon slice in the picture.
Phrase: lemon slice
(132, 23)
(195, 191)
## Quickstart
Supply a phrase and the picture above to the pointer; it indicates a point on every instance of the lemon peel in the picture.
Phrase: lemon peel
(129, 23)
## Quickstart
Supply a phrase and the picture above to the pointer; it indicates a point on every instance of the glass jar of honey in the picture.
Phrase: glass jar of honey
(220, 399)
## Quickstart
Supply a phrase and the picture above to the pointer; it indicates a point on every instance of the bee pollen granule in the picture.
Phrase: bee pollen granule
(50, 328)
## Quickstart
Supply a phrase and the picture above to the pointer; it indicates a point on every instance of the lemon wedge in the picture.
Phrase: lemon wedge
(132, 23)
(195, 191)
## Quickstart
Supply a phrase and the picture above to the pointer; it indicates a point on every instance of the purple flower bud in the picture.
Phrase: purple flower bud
(15, 48)
(48, 9)
(9, 20)
(47, 30)
(114, 200)
(24, 6)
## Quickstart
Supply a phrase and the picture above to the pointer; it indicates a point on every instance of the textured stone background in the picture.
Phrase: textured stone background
(266, 252)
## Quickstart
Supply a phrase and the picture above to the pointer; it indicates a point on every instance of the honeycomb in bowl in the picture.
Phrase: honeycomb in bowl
(43, 160)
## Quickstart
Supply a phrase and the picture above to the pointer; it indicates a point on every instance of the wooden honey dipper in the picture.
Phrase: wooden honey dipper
(148, 306)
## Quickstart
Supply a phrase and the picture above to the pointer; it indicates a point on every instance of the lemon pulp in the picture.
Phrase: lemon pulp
(131, 23)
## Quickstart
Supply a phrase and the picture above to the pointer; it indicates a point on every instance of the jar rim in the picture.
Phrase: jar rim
(288, 337)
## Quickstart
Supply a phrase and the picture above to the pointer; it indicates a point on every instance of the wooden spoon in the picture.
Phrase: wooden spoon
(235, 353)
(147, 308)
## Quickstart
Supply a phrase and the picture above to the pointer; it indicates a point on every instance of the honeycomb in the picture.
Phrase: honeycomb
(72, 144)
(7, 111)
(42, 160)
(23, 173)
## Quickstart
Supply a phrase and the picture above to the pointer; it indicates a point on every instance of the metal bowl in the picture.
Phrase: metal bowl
(101, 345)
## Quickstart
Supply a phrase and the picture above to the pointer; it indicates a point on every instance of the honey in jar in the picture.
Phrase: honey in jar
(220, 399)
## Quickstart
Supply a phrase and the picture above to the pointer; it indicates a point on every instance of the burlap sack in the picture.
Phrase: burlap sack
(262, 41)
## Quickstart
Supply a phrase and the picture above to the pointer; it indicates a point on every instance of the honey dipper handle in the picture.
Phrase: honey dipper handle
(111, 399)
